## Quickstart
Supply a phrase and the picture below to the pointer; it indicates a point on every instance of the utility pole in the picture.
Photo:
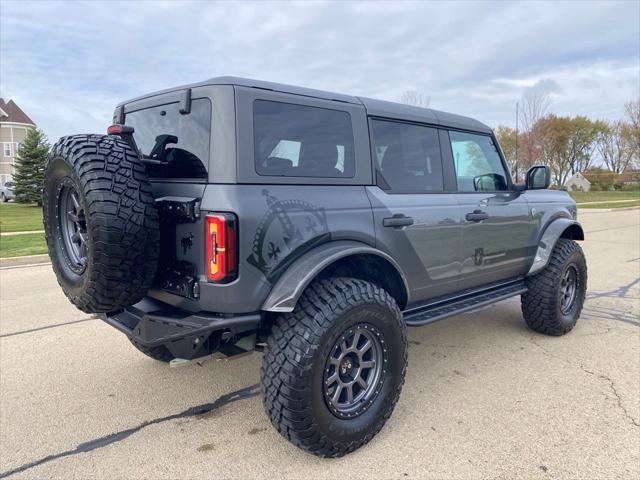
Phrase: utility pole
(516, 142)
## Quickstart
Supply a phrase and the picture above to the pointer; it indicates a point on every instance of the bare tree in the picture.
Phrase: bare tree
(633, 112)
(615, 146)
(632, 132)
(534, 105)
(415, 98)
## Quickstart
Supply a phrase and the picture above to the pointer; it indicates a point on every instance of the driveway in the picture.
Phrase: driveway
(484, 396)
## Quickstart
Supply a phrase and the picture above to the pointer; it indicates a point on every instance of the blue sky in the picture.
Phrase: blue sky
(67, 64)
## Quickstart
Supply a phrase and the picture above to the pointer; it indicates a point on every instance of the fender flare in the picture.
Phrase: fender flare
(549, 238)
(287, 290)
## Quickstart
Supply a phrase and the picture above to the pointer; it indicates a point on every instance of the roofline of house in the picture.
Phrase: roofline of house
(19, 124)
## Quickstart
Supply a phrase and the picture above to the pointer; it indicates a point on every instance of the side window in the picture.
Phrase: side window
(180, 142)
(408, 156)
(301, 141)
(477, 162)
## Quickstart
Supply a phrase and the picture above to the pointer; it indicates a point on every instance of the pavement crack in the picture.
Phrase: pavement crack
(241, 394)
(612, 385)
(46, 327)
(600, 376)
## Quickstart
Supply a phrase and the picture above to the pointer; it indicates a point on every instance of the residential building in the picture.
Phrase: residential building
(578, 183)
(630, 177)
(14, 125)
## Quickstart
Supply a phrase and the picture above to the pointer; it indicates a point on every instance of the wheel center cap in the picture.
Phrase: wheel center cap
(346, 366)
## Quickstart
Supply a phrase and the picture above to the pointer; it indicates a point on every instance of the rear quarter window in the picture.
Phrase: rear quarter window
(180, 142)
(301, 141)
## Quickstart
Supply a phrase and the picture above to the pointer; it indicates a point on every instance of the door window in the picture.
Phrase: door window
(477, 163)
(302, 141)
(408, 157)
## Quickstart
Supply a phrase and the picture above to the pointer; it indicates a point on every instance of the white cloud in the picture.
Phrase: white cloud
(68, 64)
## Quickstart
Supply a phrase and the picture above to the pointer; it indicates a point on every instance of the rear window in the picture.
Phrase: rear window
(180, 142)
(301, 141)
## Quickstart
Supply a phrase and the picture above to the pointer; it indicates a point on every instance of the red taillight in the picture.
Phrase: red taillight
(117, 129)
(221, 238)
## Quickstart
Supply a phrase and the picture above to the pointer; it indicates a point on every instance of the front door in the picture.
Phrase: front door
(496, 221)
(416, 221)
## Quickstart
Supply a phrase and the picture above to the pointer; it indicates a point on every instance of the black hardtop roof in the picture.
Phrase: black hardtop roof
(374, 107)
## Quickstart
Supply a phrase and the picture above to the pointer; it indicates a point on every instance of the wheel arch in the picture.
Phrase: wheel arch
(338, 258)
(556, 229)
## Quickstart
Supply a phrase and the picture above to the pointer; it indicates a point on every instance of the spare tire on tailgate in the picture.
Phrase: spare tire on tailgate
(100, 221)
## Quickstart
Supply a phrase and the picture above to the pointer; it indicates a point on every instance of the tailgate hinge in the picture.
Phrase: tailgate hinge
(178, 209)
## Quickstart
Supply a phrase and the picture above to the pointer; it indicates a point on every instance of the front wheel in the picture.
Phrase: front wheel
(555, 296)
(333, 369)
(3, 198)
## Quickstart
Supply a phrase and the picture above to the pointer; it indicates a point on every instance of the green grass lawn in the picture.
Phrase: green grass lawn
(583, 197)
(15, 217)
(20, 245)
(630, 203)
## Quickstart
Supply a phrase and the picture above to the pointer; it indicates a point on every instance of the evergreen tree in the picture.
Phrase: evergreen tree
(28, 179)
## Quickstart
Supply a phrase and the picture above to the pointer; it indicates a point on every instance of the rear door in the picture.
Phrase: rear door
(176, 147)
(416, 214)
(496, 221)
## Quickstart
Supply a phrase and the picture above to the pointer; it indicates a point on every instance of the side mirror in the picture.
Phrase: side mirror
(538, 177)
(490, 182)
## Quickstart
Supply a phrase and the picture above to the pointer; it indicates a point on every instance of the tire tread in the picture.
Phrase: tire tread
(288, 361)
(122, 224)
(539, 303)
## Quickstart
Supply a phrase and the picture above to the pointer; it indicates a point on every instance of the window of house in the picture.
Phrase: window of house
(180, 142)
(408, 157)
(477, 163)
(301, 141)
(7, 149)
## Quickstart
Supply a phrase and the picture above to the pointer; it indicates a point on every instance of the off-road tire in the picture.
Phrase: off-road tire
(294, 364)
(121, 227)
(541, 304)
(161, 353)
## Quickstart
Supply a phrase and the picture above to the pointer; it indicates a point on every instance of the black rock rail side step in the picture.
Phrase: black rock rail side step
(463, 303)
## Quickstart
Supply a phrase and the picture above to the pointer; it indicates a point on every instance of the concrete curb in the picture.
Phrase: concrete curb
(601, 210)
(26, 260)
(631, 200)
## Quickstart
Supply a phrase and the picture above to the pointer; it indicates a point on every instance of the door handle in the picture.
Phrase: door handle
(477, 216)
(399, 220)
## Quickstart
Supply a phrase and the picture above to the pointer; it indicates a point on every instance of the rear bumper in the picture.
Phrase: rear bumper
(186, 335)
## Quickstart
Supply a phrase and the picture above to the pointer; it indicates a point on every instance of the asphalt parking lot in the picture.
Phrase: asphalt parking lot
(484, 396)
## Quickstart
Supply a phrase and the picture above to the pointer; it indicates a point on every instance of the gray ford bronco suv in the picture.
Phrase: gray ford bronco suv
(235, 215)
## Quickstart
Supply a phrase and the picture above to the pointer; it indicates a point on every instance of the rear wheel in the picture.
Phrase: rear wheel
(555, 296)
(333, 369)
(3, 198)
